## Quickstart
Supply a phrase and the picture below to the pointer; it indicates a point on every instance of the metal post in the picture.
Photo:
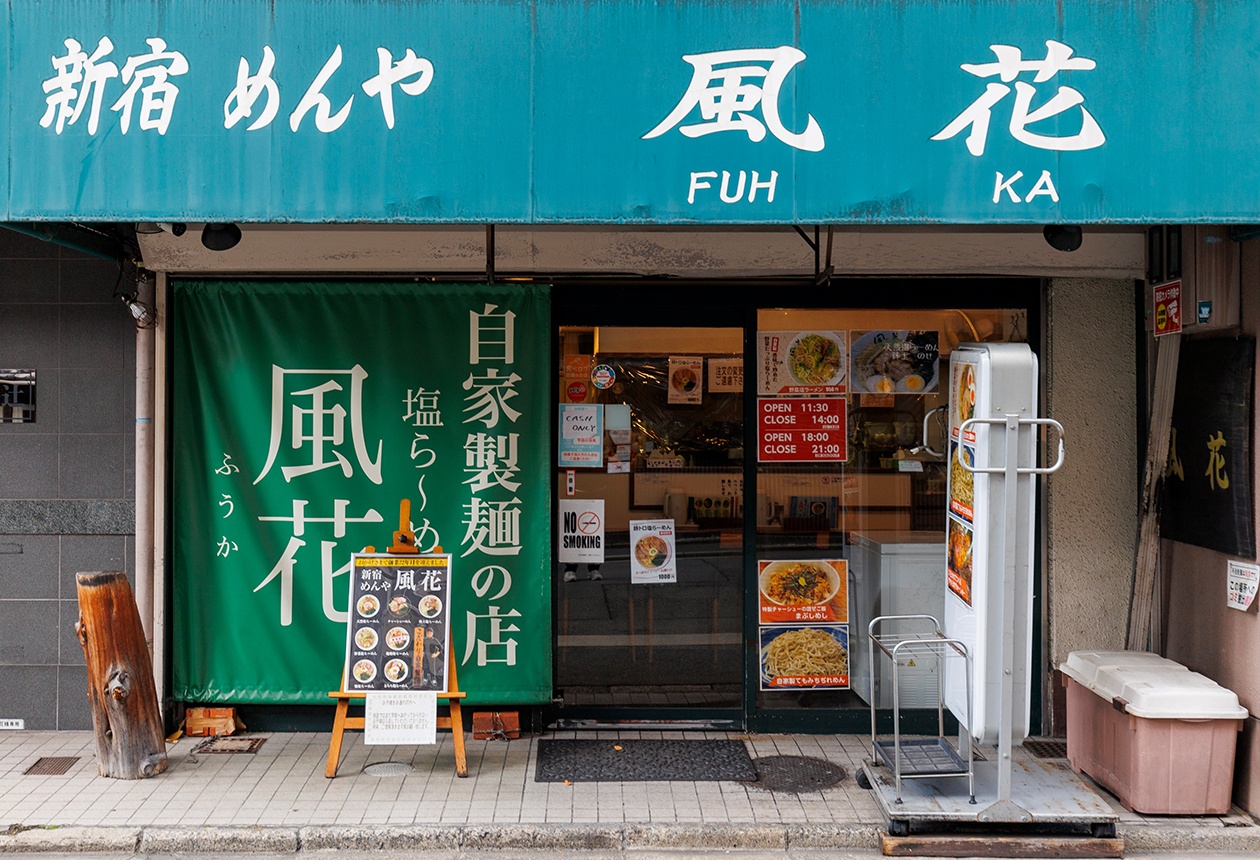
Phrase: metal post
(1010, 546)
(896, 682)
(870, 662)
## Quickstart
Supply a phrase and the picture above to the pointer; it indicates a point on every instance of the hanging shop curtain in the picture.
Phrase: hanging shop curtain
(303, 414)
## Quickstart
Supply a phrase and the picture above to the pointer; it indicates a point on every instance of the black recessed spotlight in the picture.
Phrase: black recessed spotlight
(1063, 237)
(220, 237)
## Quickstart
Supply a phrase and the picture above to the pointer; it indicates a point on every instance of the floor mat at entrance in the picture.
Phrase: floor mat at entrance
(642, 761)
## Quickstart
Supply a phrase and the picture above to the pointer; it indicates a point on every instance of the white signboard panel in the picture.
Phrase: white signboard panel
(400, 718)
(990, 381)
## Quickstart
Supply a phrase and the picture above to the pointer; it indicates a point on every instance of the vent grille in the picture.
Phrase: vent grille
(51, 766)
(1047, 749)
(229, 745)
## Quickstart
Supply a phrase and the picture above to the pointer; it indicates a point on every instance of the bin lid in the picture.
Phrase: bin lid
(1151, 686)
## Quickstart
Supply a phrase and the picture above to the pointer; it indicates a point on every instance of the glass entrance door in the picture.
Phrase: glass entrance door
(649, 560)
(751, 524)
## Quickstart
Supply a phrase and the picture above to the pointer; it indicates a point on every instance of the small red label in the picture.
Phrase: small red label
(1167, 308)
(577, 391)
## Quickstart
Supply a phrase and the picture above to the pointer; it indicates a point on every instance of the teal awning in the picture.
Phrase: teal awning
(560, 111)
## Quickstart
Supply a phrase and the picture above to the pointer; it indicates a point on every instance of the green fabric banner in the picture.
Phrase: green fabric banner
(303, 414)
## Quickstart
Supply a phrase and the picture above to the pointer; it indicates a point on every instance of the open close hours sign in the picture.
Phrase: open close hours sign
(812, 430)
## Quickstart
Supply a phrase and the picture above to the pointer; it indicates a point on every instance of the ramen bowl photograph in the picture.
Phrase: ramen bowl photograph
(651, 551)
(814, 358)
(684, 379)
(800, 583)
(365, 638)
(397, 638)
(801, 657)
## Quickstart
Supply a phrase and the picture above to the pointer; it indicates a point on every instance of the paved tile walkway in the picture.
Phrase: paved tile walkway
(282, 785)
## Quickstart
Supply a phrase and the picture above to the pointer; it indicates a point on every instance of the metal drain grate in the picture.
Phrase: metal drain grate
(388, 768)
(796, 773)
(229, 745)
(52, 766)
(1047, 749)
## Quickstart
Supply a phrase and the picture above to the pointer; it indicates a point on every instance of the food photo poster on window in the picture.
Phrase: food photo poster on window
(396, 635)
(894, 362)
(803, 609)
(686, 376)
(801, 362)
(652, 553)
(803, 590)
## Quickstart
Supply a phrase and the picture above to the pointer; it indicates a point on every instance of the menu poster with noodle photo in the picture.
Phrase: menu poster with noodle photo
(801, 362)
(652, 554)
(894, 362)
(803, 591)
(803, 657)
(686, 380)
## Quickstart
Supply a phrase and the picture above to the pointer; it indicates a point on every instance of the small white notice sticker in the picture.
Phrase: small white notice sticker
(1243, 580)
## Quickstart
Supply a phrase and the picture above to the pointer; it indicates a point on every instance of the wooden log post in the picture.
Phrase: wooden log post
(129, 738)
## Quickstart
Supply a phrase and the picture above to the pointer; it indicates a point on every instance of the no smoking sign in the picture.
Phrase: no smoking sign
(582, 531)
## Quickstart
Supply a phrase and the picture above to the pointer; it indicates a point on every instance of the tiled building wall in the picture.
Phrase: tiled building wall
(67, 483)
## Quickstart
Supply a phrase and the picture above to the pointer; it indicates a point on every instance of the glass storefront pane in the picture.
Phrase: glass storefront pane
(851, 470)
(622, 639)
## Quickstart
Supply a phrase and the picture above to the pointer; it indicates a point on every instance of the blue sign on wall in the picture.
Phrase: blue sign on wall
(646, 111)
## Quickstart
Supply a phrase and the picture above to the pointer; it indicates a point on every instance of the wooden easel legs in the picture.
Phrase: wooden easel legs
(456, 725)
(338, 731)
(342, 721)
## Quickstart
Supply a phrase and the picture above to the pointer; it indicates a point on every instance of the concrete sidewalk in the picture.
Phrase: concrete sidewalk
(277, 800)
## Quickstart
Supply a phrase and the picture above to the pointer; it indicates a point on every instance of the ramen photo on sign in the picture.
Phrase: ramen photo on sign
(805, 657)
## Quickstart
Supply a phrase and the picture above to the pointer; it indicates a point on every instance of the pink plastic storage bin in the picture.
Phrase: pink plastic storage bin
(1160, 737)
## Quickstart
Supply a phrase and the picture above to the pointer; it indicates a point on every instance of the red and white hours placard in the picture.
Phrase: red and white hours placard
(801, 431)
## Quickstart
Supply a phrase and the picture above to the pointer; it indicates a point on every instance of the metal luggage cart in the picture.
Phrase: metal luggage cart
(907, 637)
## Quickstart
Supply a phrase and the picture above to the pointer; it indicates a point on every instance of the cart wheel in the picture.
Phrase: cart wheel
(898, 827)
(863, 781)
(1103, 830)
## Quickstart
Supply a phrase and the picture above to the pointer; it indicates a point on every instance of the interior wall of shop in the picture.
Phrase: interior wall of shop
(66, 481)
(1201, 631)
